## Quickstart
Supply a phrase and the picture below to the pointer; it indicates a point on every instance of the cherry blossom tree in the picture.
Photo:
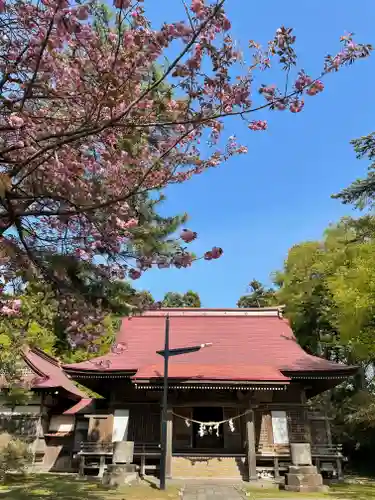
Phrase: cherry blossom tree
(89, 127)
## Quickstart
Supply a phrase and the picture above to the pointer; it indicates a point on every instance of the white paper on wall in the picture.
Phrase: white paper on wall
(280, 427)
(120, 425)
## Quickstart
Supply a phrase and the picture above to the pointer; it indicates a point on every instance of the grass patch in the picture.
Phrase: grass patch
(364, 491)
(275, 494)
(49, 487)
(344, 491)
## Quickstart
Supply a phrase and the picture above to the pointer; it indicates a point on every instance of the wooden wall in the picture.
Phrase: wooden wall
(144, 423)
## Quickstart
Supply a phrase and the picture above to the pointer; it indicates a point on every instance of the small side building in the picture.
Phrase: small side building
(41, 421)
(234, 408)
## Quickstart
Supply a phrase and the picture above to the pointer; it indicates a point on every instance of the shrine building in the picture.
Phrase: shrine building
(234, 408)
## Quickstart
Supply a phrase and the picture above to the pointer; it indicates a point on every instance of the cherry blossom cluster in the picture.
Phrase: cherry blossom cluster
(179, 259)
(10, 307)
(89, 121)
(258, 125)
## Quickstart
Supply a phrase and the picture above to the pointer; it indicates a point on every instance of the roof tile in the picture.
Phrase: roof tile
(238, 340)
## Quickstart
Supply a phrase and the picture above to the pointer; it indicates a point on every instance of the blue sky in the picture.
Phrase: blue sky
(258, 205)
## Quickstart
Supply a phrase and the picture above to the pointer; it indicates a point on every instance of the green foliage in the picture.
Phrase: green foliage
(328, 287)
(35, 323)
(192, 299)
(175, 299)
(259, 296)
(16, 394)
(14, 455)
(361, 192)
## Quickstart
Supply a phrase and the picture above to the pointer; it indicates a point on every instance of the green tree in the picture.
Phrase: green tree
(328, 287)
(361, 192)
(175, 299)
(258, 296)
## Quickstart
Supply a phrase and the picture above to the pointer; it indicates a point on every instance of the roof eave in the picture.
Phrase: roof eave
(74, 372)
(344, 372)
(158, 381)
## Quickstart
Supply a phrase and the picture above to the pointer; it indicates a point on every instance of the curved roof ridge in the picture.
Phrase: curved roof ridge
(46, 356)
(212, 311)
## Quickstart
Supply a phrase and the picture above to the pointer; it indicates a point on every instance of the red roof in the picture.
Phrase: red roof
(47, 373)
(81, 407)
(251, 338)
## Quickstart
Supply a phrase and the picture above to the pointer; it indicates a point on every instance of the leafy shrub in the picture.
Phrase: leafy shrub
(15, 455)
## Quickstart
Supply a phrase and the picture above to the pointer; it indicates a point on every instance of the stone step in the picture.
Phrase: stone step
(230, 468)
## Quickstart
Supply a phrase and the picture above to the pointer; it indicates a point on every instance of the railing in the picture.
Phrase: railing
(273, 450)
(147, 449)
(326, 450)
(96, 448)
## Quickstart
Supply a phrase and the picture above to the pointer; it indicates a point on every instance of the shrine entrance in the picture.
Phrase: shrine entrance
(210, 439)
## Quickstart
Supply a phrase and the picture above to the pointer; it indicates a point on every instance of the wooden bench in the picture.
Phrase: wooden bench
(94, 455)
(324, 454)
(278, 454)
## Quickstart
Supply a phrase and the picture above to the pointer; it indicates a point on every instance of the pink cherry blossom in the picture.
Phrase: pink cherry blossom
(15, 120)
(296, 106)
(122, 4)
(134, 274)
(90, 130)
(315, 88)
(183, 260)
(82, 13)
(188, 236)
(258, 125)
(208, 255)
(302, 81)
(216, 252)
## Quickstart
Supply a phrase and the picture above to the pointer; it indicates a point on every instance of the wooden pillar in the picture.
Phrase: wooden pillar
(328, 429)
(339, 469)
(250, 441)
(101, 466)
(168, 465)
(276, 468)
(82, 466)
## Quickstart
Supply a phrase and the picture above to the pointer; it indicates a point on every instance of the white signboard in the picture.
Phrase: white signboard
(280, 427)
(61, 423)
(120, 425)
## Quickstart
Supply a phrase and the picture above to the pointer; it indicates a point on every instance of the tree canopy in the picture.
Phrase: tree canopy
(328, 287)
(175, 299)
(258, 296)
(361, 192)
(91, 122)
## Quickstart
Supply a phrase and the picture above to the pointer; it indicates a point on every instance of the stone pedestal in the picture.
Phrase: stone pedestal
(119, 474)
(303, 476)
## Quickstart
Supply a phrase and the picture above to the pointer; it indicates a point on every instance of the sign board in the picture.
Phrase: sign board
(120, 425)
(61, 423)
(280, 427)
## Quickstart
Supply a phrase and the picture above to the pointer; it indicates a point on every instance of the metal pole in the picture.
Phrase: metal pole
(163, 457)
